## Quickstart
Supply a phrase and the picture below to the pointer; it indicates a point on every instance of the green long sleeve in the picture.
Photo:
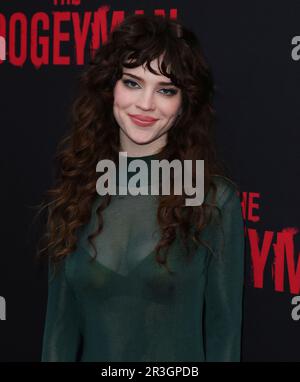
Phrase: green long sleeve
(62, 329)
(224, 288)
(125, 307)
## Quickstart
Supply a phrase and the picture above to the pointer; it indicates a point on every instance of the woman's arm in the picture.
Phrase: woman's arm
(224, 288)
(61, 334)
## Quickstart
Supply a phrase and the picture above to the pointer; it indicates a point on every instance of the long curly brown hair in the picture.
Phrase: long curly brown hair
(94, 134)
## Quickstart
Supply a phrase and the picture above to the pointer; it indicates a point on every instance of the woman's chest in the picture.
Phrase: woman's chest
(126, 262)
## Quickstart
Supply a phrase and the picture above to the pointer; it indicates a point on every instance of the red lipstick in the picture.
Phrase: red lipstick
(142, 120)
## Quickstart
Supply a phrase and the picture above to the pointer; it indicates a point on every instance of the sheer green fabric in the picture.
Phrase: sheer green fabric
(124, 306)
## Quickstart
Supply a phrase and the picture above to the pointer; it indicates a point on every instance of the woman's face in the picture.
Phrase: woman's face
(141, 93)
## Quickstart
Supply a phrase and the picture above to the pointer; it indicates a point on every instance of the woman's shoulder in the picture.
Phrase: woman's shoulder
(226, 189)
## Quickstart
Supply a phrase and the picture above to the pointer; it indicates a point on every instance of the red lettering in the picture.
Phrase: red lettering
(248, 206)
(259, 256)
(2, 30)
(13, 57)
(59, 36)
(33, 38)
(81, 35)
(37, 40)
(284, 248)
(99, 28)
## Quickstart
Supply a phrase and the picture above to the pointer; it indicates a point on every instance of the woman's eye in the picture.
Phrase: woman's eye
(128, 82)
(171, 92)
(167, 92)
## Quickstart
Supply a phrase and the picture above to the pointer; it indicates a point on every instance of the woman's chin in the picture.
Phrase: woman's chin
(140, 140)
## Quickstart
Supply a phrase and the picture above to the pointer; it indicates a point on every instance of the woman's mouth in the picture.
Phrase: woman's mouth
(139, 122)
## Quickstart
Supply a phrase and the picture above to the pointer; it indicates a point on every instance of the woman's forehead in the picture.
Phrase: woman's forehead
(143, 70)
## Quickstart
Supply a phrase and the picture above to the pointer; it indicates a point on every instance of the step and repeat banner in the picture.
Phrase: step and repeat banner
(253, 48)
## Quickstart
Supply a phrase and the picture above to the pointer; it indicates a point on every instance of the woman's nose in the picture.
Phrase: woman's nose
(145, 100)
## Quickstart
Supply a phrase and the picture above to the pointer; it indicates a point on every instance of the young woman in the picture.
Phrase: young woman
(143, 277)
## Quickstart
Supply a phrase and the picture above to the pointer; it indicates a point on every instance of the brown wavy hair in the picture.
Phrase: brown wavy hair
(94, 134)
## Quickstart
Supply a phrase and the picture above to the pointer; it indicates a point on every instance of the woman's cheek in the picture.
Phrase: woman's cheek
(124, 98)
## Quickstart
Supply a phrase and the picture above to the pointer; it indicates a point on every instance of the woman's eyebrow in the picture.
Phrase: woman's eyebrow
(140, 79)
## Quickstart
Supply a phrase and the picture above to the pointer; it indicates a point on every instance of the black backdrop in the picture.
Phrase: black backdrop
(253, 49)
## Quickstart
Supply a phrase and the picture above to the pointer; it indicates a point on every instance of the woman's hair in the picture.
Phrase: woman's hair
(94, 134)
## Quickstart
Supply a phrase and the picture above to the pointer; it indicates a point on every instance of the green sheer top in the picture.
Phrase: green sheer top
(124, 306)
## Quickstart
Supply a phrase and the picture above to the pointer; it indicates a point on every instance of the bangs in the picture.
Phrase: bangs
(165, 62)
